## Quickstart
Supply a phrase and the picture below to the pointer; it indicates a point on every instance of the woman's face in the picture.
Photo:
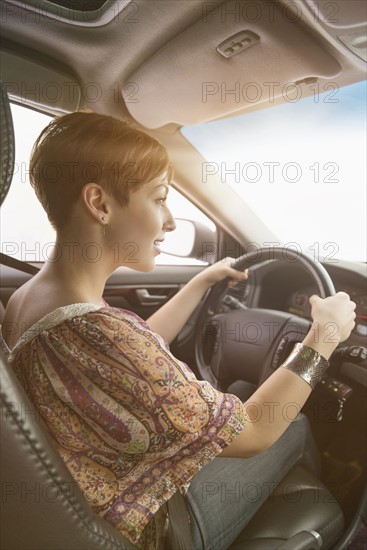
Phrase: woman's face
(137, 230)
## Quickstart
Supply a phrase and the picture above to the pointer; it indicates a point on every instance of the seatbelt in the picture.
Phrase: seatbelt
(18, 264)
(179, 530)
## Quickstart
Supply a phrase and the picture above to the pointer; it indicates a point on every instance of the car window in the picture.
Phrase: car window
(301, 166)
(26, 232)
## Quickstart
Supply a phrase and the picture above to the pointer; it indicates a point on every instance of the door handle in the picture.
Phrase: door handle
(147, 299)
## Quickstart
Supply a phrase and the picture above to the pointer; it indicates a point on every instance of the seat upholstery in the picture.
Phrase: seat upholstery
(299, 503)
(42, 507)
(6, 143)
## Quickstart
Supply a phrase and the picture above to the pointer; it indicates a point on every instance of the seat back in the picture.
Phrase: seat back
(7, 144)
(42, 506)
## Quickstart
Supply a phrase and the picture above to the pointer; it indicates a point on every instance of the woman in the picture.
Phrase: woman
(131, 422)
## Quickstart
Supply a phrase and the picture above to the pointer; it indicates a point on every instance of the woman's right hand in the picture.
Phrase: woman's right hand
(333, 317)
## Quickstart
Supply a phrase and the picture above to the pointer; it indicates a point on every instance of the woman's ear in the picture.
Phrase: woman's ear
(95, 199)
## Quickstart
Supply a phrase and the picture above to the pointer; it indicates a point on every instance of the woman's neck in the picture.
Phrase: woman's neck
(79, 269)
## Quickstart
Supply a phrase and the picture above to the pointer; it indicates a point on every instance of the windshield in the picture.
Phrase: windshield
(301, 166)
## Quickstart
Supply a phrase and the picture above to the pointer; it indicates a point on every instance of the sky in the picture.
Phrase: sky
(316, 195)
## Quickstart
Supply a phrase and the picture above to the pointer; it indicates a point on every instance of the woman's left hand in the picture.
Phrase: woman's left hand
(219, 271)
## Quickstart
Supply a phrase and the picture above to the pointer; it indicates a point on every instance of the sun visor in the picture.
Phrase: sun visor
(343, 21)
(36, 85)
(237, 55)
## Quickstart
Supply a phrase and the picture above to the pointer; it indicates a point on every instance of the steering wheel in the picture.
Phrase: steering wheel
(249, 344)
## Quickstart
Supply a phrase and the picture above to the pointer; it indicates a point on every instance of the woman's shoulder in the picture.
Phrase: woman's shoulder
(20, 314)
(26, 318)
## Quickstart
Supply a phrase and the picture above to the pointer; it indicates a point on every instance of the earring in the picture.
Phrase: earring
(104, 225)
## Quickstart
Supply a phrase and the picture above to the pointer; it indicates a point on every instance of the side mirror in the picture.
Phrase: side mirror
(190, 239)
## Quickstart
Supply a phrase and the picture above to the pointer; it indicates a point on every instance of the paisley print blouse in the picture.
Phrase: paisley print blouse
(131, 422)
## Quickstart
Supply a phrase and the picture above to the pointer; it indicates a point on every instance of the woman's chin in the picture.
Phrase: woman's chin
(143, 267)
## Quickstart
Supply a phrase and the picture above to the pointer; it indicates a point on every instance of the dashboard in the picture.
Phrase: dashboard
(297, 303)
(284, 287)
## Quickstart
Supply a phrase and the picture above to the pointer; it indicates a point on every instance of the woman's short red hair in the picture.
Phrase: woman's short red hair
(84, 147)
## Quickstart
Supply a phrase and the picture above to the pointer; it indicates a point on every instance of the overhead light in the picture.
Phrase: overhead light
(237, 43)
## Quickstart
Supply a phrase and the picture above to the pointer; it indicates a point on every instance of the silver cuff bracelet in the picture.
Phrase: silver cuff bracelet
(307, 363)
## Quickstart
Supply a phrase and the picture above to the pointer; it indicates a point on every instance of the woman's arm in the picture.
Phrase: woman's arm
(276, 403)
(170, 318)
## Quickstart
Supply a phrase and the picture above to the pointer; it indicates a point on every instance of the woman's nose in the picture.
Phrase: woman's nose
(169, 222)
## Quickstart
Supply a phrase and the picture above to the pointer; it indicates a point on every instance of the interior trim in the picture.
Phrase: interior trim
(110, 11)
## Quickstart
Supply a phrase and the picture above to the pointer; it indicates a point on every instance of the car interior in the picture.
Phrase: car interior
(167, 65)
